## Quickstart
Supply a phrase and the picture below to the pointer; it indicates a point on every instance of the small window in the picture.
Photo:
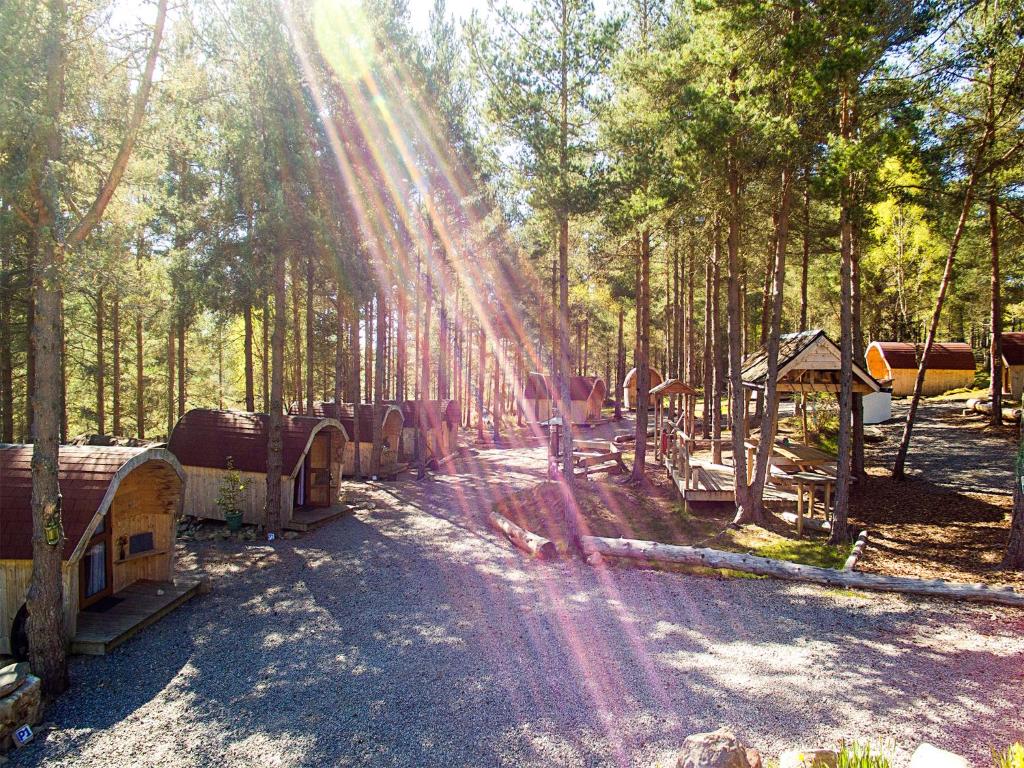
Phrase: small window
(140, 542)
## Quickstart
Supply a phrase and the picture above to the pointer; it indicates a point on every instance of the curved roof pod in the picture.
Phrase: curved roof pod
(536, 387)
(206, 437)
(389, 415)
(629, 385)
(89, 478)
(435, 412)
(1012, 347)
(897, 355)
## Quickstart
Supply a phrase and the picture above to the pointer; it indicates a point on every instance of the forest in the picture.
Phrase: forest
(244, 205)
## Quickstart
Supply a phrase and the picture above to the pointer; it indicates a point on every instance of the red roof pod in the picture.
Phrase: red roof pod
(949, 356)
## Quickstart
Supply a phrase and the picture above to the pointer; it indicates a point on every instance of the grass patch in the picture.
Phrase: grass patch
(963, 394)
(807, 552)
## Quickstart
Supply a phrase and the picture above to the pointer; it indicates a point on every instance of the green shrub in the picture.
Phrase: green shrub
(860, 756)
(1011, 757)
(229, 496)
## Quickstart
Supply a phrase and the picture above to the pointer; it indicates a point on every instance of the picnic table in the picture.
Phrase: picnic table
(803, 458)
(807, 468)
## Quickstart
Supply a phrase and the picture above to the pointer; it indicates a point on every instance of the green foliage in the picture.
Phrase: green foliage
(1011, 757)
(229, 494)
(861, 756)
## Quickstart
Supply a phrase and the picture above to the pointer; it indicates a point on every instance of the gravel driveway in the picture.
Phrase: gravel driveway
(409, 635)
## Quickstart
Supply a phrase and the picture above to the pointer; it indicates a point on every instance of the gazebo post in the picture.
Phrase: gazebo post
(803, 413)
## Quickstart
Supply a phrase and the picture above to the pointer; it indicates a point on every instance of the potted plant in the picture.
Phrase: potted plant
(229, 497)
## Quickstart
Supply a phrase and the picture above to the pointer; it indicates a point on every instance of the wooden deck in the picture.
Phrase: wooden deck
(717, 483)
(312, 518)
(141, 605)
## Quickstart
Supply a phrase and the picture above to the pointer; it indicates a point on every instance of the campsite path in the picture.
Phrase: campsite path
(956, 452)
(407, 634)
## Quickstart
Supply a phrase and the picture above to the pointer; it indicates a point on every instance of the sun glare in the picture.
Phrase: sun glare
(345, 37)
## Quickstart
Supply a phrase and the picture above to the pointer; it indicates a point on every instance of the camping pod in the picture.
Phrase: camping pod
(119, 512)
(950, 366)
(629, 387)
(209, 443)
(437, 421)
(388, 416)
(1013, 366)
(536, 401)
(586, 396)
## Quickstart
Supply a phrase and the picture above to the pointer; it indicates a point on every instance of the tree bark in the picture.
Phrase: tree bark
(310, 357)
(265, 333)
(996, 346)
(898, 470)
(170, 376)
(480, 370)
(1014, 556)
(444, 352)
(115, 352)
(620, 366)
(357, 469)
(275, 418)
(378, 385)
(401, 346)
(719, 384)
(6, 359)
(250, 388)
(140, 381)
(709, 374)
(101, 368)
(642, 355)
(182, 394)
(806, 253)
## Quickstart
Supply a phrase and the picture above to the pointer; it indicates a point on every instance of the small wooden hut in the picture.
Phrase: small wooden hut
(536, 401)
(586, 398)
(312, 447)
(629, 387)
(586, 395)
(120, 510)
(671, 388)
(950, 366)
(391, 420)
(1013, 366)
(438, 423)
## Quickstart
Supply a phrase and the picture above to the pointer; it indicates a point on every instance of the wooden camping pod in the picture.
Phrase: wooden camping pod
(205, 440)
(1013, 365)
(586, 398)
(438, 423)
(388, 415)
(950, 366)
(629, 386)
(120, 511)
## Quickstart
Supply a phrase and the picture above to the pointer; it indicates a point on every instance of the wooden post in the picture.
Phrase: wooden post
(803, 414)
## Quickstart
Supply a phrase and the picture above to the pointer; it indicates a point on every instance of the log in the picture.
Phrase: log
(822, 526)
(858, 549)
(762, 566)
(529, 542)
(985, 407)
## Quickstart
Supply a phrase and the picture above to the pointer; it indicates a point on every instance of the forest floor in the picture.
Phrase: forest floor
(408, 634)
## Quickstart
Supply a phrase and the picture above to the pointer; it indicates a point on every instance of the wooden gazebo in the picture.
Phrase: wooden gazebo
(671, 388)
(808, 362)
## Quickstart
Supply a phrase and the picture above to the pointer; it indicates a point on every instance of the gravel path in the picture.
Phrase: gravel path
(949, 449)
(408, 635)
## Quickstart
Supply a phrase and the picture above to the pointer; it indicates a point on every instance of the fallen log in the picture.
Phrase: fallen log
(529, 542)
(985, 407)
(858, 549)
(823, 526)
(780, 569)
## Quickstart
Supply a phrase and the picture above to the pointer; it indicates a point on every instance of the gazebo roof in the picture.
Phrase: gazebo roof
(808, 362)
(671, 387)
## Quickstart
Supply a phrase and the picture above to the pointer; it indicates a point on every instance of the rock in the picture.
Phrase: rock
(927, 756)
(12, 676)
(718, 749)
(808, 758)
(22, 707)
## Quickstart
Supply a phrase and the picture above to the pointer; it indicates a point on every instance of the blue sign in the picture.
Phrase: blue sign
(23, 735)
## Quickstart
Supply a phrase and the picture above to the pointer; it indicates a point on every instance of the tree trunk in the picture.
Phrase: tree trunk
(115, 351)
(310, 358)
(898, 470)
(840, 531)
(170, 376)
(101, 367)
(443, 340)
(691, 339)
(182, 393)
(272, 511)
(368, 351)
(378, 385)
(996, 346)
(481, 368)
(1014, 556)
(265, 333)
(45, 595)
(806, 254)
(353, 341)
(6, 358)
(642, 355)
(620, 367)
(140, 381)
(719, 385)
(709, 373)
(250, 388)
(756, 512)
(428, 301)
(401, 345)
(857, 456)
(341, 328)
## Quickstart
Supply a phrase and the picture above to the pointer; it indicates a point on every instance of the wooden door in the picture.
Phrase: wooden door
(96, 568)
(318, 468)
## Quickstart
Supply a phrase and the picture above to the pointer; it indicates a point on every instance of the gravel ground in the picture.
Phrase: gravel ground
(408, 635)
